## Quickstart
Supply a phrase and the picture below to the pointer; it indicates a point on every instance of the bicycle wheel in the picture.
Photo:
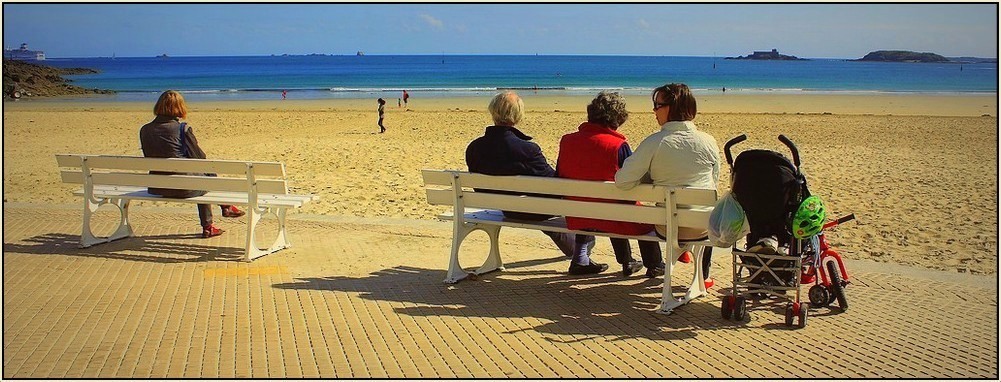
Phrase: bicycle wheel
(837, 289)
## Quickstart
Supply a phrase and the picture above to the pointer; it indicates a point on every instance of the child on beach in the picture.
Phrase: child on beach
(382, 104)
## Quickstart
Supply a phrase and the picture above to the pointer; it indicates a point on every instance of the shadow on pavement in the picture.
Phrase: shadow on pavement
(580, 307)
(136, 248)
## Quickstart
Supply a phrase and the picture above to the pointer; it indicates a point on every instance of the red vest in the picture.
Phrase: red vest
(592, 153)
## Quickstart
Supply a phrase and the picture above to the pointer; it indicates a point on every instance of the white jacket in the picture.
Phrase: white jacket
(677, 155)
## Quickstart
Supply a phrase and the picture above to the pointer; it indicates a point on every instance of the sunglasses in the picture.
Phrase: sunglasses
(657, 105)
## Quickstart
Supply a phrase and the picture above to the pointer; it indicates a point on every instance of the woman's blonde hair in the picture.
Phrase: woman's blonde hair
(171, 104)
(507, 109)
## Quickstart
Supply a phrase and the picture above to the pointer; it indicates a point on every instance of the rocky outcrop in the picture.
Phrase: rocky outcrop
(902, 56)
(773, 55)
(25, 79)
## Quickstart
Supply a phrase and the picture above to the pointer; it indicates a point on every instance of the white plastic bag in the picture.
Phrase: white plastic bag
(727, 222)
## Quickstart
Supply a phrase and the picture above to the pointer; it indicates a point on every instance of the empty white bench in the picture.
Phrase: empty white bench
(117, 180)
(673, 207)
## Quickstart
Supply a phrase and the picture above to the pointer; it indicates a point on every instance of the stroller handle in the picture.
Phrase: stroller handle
(792, 147)
(726, 147)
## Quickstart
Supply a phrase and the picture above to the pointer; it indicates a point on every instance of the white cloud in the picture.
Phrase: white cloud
(433, 22)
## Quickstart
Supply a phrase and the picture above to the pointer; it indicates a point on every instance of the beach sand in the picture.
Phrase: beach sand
(918, 171)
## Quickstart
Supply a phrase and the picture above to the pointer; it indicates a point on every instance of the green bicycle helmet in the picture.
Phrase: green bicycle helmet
(809, 218)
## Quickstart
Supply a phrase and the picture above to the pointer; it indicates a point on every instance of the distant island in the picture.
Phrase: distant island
(766, 55)
(902, 56)
(24, 79)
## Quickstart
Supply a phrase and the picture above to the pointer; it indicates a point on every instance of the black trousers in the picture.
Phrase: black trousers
(649, 251)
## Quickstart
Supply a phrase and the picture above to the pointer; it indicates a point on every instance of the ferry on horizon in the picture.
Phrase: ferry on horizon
(24, 53)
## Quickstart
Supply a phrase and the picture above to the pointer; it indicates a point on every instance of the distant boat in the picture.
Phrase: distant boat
(360, 53)
(24, 54)
(163, 56)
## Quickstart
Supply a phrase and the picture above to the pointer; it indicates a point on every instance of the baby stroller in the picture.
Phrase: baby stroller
(771, 189)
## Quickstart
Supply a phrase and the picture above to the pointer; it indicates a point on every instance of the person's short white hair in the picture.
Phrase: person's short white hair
(507, 109)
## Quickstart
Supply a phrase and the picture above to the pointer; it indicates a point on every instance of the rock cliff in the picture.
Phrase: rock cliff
(25, 79)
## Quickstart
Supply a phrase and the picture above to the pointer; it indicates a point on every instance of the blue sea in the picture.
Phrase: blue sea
(320, 77)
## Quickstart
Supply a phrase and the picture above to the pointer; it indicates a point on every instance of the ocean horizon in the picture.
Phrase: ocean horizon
(369, 76)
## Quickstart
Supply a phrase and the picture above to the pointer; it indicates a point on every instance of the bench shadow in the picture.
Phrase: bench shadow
(137, 248)
(573, 309)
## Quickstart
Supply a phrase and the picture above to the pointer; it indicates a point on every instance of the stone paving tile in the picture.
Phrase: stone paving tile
(363, 298)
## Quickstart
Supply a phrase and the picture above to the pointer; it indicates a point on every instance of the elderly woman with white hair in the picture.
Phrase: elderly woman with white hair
(505, 150)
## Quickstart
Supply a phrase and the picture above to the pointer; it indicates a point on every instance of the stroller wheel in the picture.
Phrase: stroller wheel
(726, 308)
(820, 297)
(804, 311)
(740, 309)
(789, 314)
(837, 289)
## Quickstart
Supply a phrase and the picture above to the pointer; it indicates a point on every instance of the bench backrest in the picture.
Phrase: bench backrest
(682, 207)
(231, 176)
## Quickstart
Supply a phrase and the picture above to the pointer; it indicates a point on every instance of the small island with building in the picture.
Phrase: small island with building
(767, 55)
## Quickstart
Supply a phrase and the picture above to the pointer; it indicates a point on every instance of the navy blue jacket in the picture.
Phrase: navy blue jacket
(504, 150)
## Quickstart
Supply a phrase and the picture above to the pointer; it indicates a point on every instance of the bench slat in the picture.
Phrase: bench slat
(549, 206)
(261, 169)
(549, 186)
(437, 177)
(695, 196)
(557, 224)
(217, 197)
(183, 182)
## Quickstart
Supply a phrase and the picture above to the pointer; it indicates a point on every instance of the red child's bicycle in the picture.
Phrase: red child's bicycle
(830, 286)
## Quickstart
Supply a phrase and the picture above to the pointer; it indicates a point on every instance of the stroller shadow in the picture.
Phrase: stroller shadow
(574, 308)
(136, 248)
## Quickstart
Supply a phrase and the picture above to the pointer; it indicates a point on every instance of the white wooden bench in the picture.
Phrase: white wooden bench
(117, 180)
(673, 207)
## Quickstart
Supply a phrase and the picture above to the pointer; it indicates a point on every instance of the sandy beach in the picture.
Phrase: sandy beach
(919, 171)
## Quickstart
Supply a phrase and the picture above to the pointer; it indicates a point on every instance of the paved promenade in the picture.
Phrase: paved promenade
(360, 297)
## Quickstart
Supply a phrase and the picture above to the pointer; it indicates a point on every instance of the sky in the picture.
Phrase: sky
(803, 30)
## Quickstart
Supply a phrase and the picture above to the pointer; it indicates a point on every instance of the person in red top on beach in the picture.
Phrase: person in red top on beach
(595, 152)
(405, 96)
(284, 93)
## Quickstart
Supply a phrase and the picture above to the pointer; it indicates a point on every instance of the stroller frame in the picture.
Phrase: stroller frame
(754, 274)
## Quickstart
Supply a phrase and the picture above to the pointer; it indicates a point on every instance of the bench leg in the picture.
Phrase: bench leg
(281, 242)
(455, 272)
(124, 229)
(695, 290)
(493, 261)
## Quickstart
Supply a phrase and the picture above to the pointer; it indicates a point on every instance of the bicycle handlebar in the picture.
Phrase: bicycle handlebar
(841, 220)
(730, 143)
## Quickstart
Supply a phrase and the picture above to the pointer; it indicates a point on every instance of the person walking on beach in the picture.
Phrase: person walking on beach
(405, 97)
(284, 93)
(678, 155)
(595, 152)
(398, 103)
(505, 150)
(167, 137)
(382, 111)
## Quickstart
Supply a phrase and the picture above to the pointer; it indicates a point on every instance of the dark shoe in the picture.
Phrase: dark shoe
(656, 271)
(211, 231)
(232, 212)
(590, 269)
(631, 267)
